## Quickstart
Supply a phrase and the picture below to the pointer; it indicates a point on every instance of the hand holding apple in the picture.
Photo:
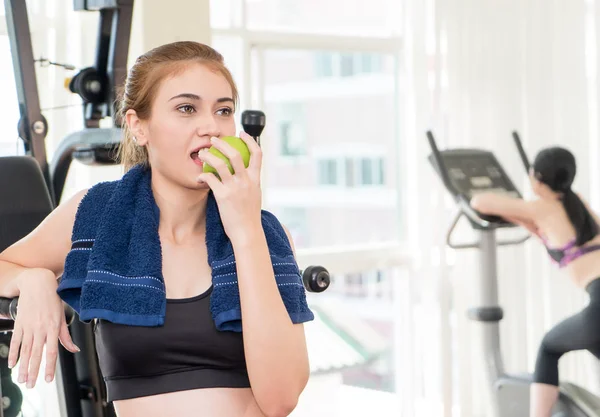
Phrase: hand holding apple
(238, 196)
(238, 144)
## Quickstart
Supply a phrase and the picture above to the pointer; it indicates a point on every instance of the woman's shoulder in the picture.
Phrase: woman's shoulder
(91, 204)
(546, 205)
(99, 191)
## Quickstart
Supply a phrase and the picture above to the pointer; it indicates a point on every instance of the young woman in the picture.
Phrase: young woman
(569, 230)
(179, 99)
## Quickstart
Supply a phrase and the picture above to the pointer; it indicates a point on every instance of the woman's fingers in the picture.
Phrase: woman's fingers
(51, 356)
(212, 181)
(234, 156)
(65, 338)
(15, 345)
(26, 347)
(35, 360)
(217, 163)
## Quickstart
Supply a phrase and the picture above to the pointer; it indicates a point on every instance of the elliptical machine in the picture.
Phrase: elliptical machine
(465, 173)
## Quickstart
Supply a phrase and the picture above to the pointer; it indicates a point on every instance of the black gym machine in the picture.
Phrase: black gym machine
(34, 183)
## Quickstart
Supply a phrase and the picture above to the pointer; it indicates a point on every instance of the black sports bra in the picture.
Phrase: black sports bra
(187, 352)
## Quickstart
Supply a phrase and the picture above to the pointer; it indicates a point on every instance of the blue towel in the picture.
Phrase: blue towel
(114, 268)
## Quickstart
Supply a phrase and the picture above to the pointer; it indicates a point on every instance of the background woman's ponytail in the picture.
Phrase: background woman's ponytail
(556, 167)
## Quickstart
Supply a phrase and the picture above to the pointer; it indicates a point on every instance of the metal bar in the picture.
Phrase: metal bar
(521, 151)
(453, 225)
(488, 297)
(116, 68)
(95, 4)
(95, 111)
(32, 125)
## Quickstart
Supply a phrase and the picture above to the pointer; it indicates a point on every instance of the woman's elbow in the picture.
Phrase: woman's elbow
(281, 404)
(280, 407)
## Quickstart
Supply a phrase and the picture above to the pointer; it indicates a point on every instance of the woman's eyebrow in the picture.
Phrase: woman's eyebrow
(186, 95)
(192, 96)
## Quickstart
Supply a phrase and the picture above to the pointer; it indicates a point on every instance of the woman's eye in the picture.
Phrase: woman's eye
(225, 111)
(188, 109)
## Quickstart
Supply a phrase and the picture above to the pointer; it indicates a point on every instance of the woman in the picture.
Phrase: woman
(179, 99)
(569, 230)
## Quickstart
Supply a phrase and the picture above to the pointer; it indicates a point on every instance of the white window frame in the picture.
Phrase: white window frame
(363, 257)
(396, 256)
(259, 41)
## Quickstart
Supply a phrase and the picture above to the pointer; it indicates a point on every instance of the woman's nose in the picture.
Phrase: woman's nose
(208, 126)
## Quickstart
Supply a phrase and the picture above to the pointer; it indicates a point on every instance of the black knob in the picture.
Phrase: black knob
(316, 278)
(253, 122)
(89, 84)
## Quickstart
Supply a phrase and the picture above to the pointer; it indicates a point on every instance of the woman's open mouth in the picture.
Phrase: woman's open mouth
(194, 156)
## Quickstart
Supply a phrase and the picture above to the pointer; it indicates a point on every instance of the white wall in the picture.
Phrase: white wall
(159, 22)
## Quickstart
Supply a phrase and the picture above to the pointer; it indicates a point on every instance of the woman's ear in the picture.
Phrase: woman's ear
(136, 127)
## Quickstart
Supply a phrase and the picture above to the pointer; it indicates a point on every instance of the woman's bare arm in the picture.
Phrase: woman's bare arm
(504, 206)
(46, 247)
(275, 348)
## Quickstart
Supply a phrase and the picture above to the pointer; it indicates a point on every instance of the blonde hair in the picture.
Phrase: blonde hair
(142, 83)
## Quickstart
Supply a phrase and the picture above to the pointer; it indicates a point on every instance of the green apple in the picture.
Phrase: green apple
(238, 144)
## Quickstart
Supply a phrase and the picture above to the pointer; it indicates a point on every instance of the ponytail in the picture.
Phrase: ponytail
(584, 223)
(556, 167)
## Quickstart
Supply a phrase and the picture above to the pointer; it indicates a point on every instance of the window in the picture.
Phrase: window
(350, 174)
(347, 67)
(225, 13)
(372, 171)
(324, 62)
(356, 172)
(379, 171)
(349, 17)
(367, 171)
(319, 100)
(296, 221)
(291, 129)
(329, 64)
(355, 286)
(328, 172)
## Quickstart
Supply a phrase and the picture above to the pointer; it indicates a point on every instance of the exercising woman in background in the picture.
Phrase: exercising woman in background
(569, 231)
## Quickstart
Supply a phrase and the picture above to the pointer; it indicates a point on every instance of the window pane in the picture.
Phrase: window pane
(343, 120)
(338, 17)
(292, 132)
(353, 346)
(327, 172)
(347, 65)
(324, 64)
(225, 14)
(231, 48)
(367, 171)
(380, 172)
(10, 143)
(350, 172)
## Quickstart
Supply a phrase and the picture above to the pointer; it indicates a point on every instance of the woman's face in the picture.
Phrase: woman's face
(189, 108)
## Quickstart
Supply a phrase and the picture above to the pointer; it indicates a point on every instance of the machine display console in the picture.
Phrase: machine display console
(473, 172)
(468, 172)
